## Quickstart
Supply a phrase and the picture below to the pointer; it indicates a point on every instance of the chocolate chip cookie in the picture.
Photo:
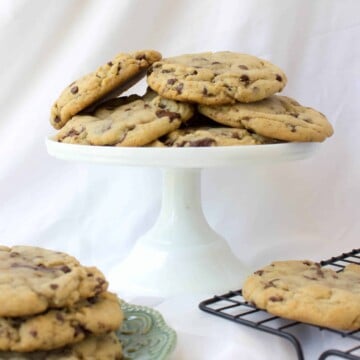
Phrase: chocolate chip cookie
(116, 76)
(278, 117)
(127, 121)
(212, 136)
(33, 279)
(216, 78)
(102, 347)
(304, 291)
(57, 328)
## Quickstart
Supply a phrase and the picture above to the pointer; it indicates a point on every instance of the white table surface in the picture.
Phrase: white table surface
(205, 336)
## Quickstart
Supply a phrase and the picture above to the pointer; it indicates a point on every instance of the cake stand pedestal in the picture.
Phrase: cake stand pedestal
(181, 254)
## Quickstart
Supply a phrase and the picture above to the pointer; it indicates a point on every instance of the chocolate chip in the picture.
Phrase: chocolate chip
(92, 300)
(78, 330)
(291, 127)
(33, 333)
(244, 78)
(150, 70)
(202, 142)
(259, 272)
(194, 72)
(65, 269)
(172, 81)
(110, 63)
(319, 272)
(245, 118)
(205, 91)
(310, 277)
(276, 298)
(170, 114)
(72, 133)
(57, 119)
(118, 69)
(141, 57)
(54, 286)
(306, 262)
(14, 254)
(17, 322)
(59, 316)
(278, 77)
(166, 71)
(179, 88)
(308, 120)
(74, 89)
(270, 283)
(244, 67)
(294, 115)
(215, 63)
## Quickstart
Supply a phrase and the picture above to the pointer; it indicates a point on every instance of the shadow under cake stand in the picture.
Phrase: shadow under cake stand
(181, 253)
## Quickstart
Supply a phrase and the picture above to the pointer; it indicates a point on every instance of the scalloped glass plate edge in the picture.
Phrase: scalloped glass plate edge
(144, 334)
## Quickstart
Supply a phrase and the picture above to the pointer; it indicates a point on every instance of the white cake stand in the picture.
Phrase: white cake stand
(181, 253)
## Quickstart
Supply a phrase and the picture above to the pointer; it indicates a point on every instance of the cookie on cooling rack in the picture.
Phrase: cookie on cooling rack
(306, 292)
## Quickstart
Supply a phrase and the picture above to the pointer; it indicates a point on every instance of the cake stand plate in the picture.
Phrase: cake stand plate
(181, 253)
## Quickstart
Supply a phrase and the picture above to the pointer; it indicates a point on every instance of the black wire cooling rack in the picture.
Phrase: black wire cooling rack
(232, 306)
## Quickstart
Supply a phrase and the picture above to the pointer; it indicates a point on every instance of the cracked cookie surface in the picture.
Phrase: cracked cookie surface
(126, 121)
(101, 347)
(33, 279)
(119, 72)
(215, 78)
(57, 328)
(211, 136)
(304, 291)
(278, 117)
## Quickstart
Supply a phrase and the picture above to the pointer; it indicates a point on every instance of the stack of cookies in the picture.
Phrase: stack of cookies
(206, 99)
(54, 308)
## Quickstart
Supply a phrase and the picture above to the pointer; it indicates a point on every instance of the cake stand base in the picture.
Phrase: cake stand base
(181, 253)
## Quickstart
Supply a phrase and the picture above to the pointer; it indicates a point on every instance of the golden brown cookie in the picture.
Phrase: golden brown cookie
(128, 121)
(101, 347)
(215, 78)
(278, 117)
(306, 292)
(33, 280)
(57, 328)
(114, 77)
(212, 136)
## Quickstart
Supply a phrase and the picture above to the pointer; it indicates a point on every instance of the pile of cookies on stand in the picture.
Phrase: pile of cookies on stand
(53, 308)
(205, 99)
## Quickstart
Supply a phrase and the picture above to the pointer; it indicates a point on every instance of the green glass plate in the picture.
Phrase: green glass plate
(144, 334)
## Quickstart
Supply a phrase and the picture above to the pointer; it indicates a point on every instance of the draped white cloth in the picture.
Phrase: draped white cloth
(303, 209)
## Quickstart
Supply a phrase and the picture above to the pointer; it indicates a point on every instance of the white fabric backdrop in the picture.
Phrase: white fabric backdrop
(306, 209)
